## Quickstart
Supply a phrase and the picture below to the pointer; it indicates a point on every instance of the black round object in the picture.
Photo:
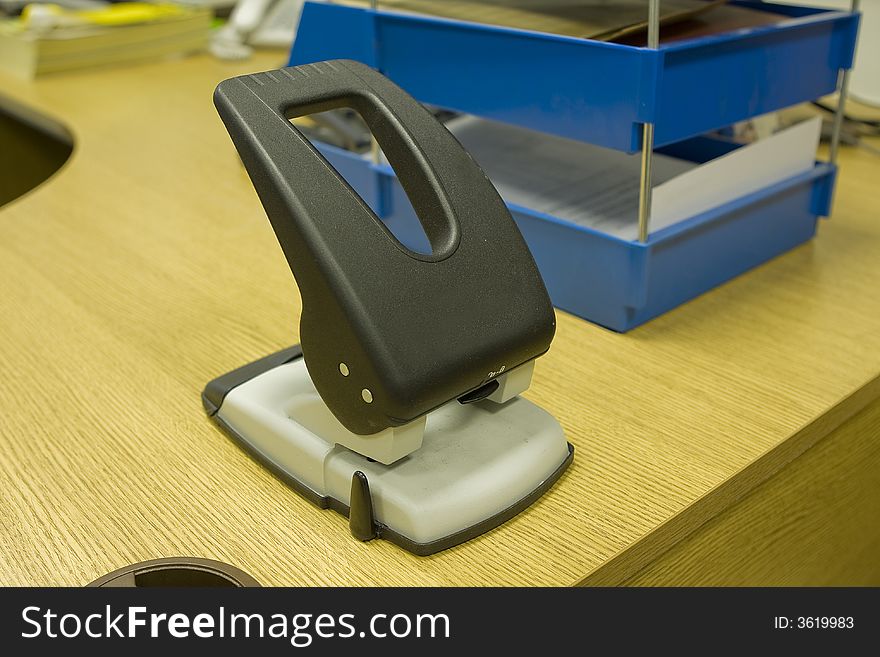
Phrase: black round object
(177, 571)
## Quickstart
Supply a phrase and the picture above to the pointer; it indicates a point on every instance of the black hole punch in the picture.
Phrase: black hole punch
(414, 332)
(420, 329)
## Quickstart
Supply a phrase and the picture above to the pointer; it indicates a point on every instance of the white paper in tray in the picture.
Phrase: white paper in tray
(739, 173)
(599, 188)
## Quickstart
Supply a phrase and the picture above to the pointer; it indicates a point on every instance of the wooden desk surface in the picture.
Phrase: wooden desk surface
(146, 267)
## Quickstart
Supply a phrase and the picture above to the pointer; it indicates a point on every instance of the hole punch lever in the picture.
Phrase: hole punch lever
(362, 416)
(416, 330)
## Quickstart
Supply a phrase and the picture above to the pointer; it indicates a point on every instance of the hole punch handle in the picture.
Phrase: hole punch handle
(405, 130)
(417, 330)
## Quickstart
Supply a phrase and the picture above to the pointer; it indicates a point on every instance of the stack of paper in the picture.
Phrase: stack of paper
(49, 39)
(599, 188)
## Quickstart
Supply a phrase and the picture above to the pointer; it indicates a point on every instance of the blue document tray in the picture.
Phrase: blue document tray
(602, 93)
(590, 90)
(620, 284)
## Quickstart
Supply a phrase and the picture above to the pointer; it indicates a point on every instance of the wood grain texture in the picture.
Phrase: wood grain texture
(815, 523)
(146, 267)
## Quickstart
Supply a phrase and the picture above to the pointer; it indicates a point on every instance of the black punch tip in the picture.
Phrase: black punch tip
(360, 515)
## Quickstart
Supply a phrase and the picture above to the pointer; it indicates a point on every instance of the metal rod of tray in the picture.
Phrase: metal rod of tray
(842, 93)
(648, 133)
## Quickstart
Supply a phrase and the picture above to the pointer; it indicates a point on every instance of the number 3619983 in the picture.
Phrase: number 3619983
(814, 623)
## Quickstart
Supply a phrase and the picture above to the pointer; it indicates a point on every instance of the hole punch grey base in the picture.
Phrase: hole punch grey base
(479, 465)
